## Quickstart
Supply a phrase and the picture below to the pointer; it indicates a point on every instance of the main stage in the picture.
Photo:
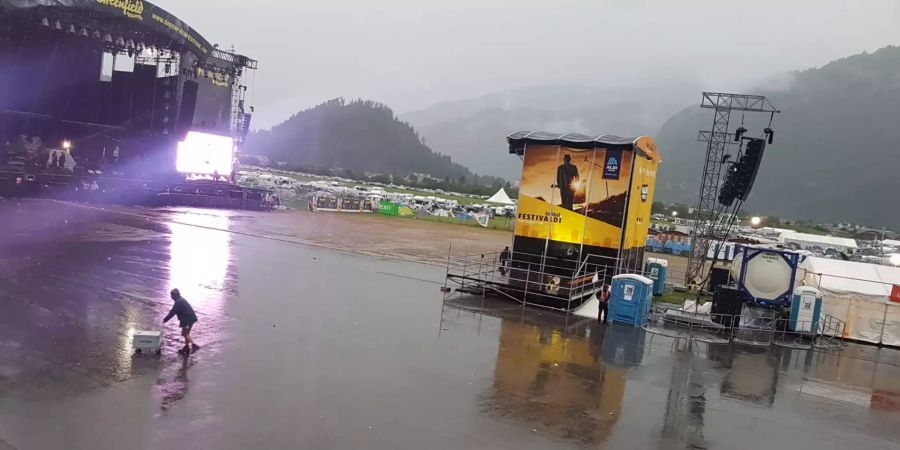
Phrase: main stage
(107, 93)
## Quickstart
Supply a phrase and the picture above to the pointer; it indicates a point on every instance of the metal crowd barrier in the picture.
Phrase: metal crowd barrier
(724, 329)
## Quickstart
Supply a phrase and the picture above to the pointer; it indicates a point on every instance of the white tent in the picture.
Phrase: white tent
(806, 241)
(501, 198)
(859, 294)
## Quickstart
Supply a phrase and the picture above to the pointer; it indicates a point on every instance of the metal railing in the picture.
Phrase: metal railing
(535, 280)
(758, 331)
(521, 280)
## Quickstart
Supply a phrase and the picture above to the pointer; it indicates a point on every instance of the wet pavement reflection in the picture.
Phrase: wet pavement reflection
(593, 384)
(313, 348)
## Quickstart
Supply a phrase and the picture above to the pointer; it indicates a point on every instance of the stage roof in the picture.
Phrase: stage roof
(518, 140)
(140, 15)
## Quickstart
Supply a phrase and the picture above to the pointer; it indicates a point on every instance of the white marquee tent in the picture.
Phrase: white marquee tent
(501, 198)
(859, 294)
(808, 241)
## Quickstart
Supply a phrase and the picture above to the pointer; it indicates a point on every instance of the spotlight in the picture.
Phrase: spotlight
(107, 38)
(130, 44)
(120, 42)
(739, 133)
(57, 25)
(71, 29)
(770, 133)
(96, 34)
(755, 221)
(66, 144)
(84, 32)
(45, 22)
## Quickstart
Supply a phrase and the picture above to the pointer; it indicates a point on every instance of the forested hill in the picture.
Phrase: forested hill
(361, 136)
(837, 145)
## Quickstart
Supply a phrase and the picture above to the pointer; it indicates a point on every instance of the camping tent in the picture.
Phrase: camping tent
(859, 294)
(501, 198)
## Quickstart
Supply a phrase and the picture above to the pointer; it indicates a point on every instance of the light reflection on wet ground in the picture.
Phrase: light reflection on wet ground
(618, 387)
(311, 348)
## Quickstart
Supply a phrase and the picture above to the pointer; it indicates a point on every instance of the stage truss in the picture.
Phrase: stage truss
(707, 224)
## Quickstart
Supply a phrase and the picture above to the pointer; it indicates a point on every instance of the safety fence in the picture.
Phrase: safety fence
(519, 274)
(863, 304)
(758, 330)
(558, 284)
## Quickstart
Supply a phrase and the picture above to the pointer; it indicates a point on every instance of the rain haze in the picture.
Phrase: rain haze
(412, 54)
(449, 225)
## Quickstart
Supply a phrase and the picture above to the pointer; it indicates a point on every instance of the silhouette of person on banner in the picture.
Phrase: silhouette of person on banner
(566, 174)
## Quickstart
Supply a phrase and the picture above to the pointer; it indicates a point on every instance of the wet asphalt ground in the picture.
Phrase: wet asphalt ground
(307, 347)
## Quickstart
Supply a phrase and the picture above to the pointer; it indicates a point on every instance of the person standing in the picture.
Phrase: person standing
(504, 260)
(186, 320)
(603, 296)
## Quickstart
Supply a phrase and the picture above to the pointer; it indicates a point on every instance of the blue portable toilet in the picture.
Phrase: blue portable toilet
(806, 308)
(630, 298)
(656, 269)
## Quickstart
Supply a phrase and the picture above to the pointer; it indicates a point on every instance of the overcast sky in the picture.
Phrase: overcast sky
(410, 54)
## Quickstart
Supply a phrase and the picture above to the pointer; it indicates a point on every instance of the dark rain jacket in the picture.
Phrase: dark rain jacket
(184, 311)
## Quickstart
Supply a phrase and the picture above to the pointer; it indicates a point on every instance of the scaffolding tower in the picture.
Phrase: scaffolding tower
(707, 226)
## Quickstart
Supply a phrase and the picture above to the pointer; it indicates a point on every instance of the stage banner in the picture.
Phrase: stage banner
(565, 196)
(142, 12)
(643, 182)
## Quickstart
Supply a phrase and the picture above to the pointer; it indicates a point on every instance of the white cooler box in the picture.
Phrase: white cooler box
(147, 341)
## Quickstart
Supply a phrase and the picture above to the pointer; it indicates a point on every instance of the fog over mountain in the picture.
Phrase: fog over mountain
(473, 131)
(411, 54)
(466, 73)
(836, 150)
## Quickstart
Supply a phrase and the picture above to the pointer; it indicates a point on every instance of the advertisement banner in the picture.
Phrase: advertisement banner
(643, 182)
(388, 208)
(612, 165)
(565, 195)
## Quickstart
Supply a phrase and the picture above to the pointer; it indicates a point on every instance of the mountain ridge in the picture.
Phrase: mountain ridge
(835, 149)
(359, 136)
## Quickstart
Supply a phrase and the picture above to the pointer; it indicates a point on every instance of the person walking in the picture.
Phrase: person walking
(603, 296)
(186, 320)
